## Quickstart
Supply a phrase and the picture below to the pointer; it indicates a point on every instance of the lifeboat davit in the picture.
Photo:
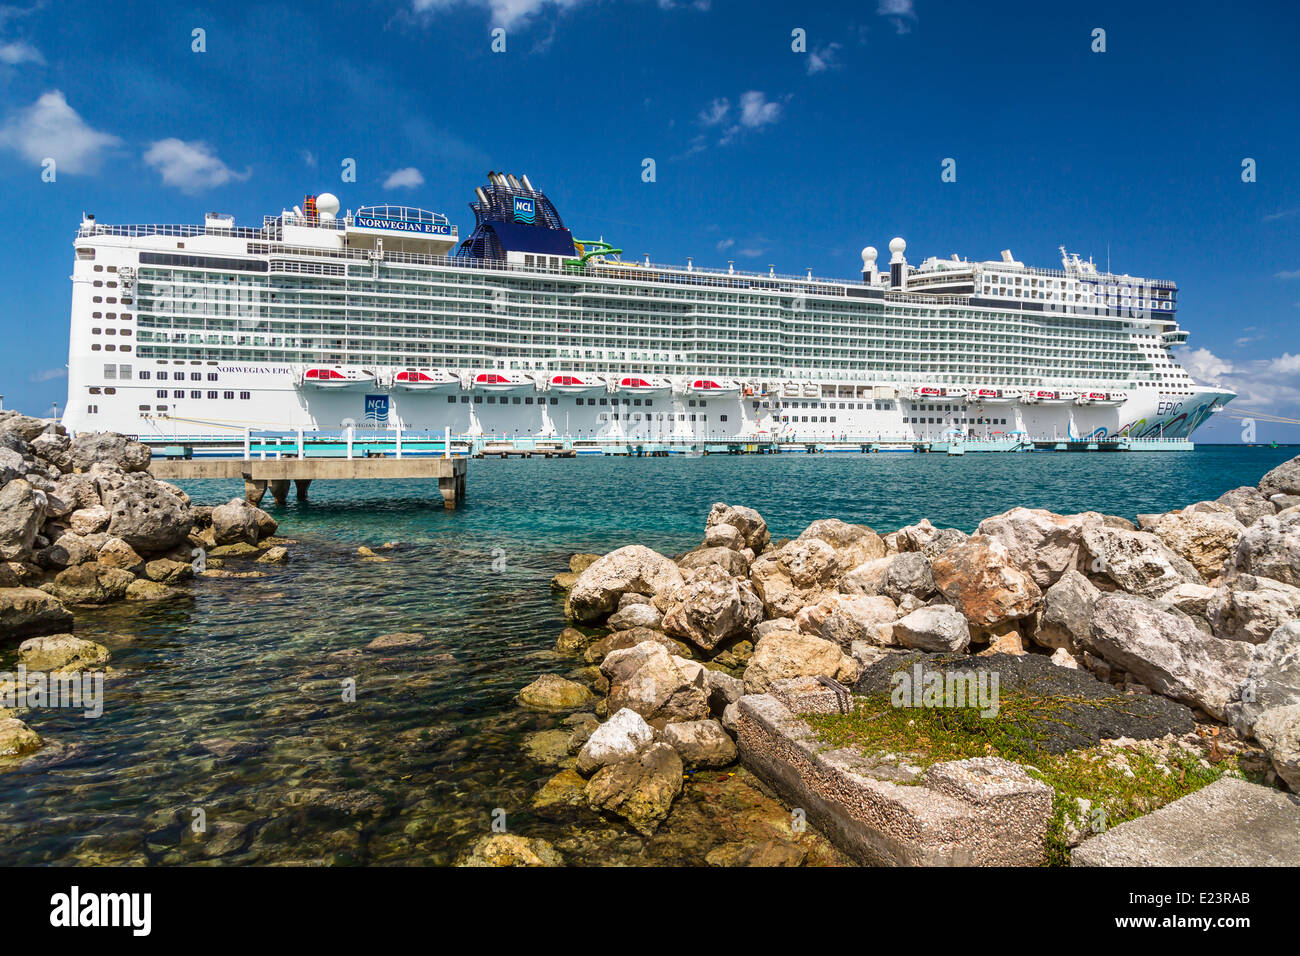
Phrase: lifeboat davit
(992, 396)
(1101, 398)
(426, 380)
(574, 384)
(642, 385)
(1046, 396)
(337, 376)
(713, 386)
(502, 381)
(931, 393)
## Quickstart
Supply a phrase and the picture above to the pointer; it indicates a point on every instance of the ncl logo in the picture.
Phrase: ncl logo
(525, 210)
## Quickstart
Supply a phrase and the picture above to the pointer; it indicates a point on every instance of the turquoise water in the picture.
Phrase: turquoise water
(229, 700)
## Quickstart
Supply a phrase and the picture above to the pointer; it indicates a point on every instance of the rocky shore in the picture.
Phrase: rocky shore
(83, 523)
(1197, 610)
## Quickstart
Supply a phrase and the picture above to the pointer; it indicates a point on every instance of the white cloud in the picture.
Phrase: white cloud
(407, 178)
(715, 112)
(309, 158)
(898, 12)
(51, 128)
(17, 52)
(1281, 214)
(505, 13)
(190, 166)
(1288, 274)
(757, 110)
(825, 58)
(1269, 385)
(725, 244)
(49, 374)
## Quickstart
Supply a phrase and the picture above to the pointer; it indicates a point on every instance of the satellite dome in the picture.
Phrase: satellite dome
(897, 244)
(327, 204)
(869, 254)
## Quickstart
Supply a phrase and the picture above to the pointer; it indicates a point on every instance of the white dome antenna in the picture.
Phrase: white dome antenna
(869, 265)
(327, 205)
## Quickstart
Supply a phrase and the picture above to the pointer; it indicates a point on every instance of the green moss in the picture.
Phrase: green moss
(1118, 783)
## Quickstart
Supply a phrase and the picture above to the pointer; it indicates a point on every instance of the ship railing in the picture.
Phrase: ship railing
(162, 229)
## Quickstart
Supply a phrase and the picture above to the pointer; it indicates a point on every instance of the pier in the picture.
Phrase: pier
(274, 462)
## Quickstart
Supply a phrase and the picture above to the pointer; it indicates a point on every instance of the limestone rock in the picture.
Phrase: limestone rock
(796, 574)
(61, 652)
(729, 537)
(782, 654)
(750, 524)
(1247, 504)
(1166, 652)
(909, 573)
(1042, 543)
(765, 853)
(86, 521)
(649, 680)
(633, 568)
(16, 738)
(937, 628)
(1205, 539)
(641, 789)
(1067, 612)
(168, 571)
(276, 555)
(701, 743)
(621, 737)
(1273, 679)
(723, 690)
(635, 615)
(90, 584)
(91, 448)
(858, 617)
(854, 544)
(234, 522)
(142, 589)
(22, 512)
(1278, 732)
(631, 637)
(116, 553)
(146, 515)
(550, 692)
(507, 849)
(712, 607)
(1135, 561)
(1282, 480)
(1249, 608)
(944, 541)
(979, 580)
(26, 610)
(867, 578)
(1270, 548)
(732, 561)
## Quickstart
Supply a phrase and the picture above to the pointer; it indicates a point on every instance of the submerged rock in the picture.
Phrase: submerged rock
(26, 610)
(61, 652)
(550, 692)
(701, 743)
(506, 849)
(640, 789)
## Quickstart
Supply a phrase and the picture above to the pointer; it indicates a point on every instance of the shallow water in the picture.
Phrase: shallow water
(229, 701)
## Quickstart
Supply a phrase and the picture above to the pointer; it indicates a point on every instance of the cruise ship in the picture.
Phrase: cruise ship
(384, 318)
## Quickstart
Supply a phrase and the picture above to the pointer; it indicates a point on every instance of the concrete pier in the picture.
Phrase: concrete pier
(259, 474)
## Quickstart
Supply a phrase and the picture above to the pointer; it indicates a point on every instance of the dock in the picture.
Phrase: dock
(275, 462)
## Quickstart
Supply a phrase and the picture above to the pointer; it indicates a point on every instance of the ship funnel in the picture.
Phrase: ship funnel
(482, 196)
(1006, 256)
(527, 184)
(514, 182)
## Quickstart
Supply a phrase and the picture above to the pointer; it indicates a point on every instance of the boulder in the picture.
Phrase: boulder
(1134, 561)
(146, 515)
(16, 738)
(1278, 732)
(91, 448)
(854, 544)
(913, 537)
(937, 628)
(61, 652)
(1191, 599)
(116, 553)
(168, 571)
(1247, 504)
(858, 617)
(979, 580)
(867, 578)
(1067, 612)
(1272, 681)
(22, 512)
(507, 849)
(723, 690)
(24, 427)
(73, 492)
(1270, 548)
(621, 737)
(29, 611)
(550, 692)
(1204, 538)
(86, 521)
(641, 789)
(633, 568)
(635, 615)
(712, 607)
(701, 743)
(1040, 542)
(750, 524)
(235, 521)
(142, 589)
(909, 573)
(784, 654)
(90, 584)
(733, 562)
(1166, 652)
(796, 574)
(729, 537)
(631, 637)
(944, 541)
(650, 681)
(1250, 608)
(276, 555)
(1282, 480)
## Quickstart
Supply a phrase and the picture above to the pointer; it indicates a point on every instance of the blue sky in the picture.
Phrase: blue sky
(762, 154)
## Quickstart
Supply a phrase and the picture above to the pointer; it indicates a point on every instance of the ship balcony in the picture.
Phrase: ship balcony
(1174, 337)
